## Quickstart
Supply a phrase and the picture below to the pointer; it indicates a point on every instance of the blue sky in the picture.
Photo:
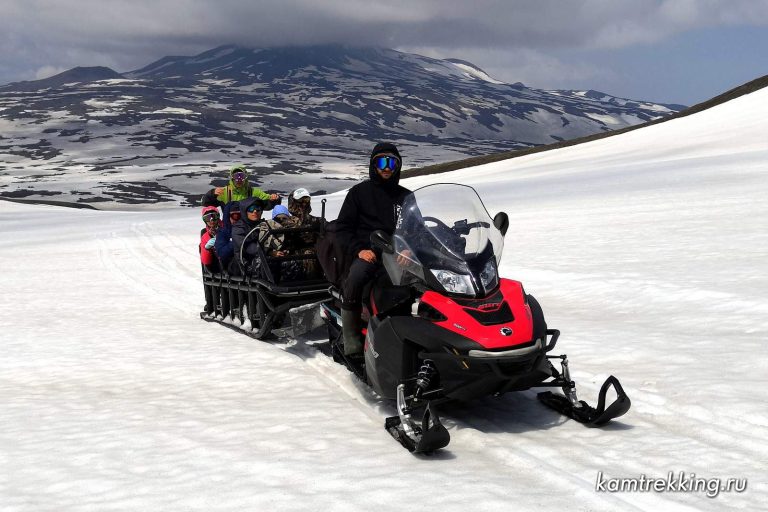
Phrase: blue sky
(671, 51)
(686, 68)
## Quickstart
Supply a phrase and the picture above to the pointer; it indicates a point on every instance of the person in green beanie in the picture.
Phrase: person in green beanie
(237, 189)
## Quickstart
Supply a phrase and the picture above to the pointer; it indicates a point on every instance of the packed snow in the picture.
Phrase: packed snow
(647, 250)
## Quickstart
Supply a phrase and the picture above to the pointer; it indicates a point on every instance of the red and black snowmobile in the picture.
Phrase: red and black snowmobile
(442, 325)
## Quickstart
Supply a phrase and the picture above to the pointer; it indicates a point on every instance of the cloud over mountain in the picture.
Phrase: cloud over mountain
(40, 35)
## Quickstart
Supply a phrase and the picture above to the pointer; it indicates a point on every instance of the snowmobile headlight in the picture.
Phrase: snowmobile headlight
(488, 276)
(453, 282)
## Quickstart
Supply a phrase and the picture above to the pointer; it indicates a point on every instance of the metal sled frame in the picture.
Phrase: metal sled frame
(263, 303)
(260, 299)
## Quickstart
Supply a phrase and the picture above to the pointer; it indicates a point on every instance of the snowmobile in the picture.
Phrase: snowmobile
(442, 325)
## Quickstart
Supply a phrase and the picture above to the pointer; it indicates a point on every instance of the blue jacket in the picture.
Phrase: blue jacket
(225, 248)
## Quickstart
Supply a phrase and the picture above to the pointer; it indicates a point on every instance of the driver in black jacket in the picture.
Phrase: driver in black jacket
(373, 204)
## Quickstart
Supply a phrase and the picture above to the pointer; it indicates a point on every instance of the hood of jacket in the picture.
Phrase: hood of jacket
(280, 210)
(379, 149)
(229, 207)
(245, 204)
(243, 189)
(234, 193)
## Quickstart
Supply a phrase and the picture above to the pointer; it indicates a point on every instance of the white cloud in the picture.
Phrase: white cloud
(115, 24)
(48, 71)
(531, 67)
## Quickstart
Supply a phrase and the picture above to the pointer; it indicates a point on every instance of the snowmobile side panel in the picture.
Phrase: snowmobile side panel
(389, 359)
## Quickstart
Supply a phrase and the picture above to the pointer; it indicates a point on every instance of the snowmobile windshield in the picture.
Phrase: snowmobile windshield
(445, 238)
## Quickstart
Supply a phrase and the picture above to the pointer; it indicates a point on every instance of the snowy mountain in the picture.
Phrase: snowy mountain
(74, 76)
(163, 133)
(647, 250)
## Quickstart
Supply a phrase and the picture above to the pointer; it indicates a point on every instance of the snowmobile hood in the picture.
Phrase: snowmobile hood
(501, 320)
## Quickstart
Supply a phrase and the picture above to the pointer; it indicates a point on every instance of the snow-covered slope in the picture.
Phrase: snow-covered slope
(161, 134)
(647, 250)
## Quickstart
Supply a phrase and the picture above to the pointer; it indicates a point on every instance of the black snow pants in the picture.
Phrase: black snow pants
(360, 273)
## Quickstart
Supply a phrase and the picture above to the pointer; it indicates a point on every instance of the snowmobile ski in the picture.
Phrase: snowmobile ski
(427, 437)
(582, 412)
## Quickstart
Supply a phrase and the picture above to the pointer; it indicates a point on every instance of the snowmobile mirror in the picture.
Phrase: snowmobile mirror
(381, 240)
(501, 221)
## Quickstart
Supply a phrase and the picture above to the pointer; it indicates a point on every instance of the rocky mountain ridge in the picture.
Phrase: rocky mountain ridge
(298, 116)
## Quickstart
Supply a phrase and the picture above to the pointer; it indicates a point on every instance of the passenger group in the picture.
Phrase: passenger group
(240, 242)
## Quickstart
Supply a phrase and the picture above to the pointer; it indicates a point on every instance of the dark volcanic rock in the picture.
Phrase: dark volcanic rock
(289, 113)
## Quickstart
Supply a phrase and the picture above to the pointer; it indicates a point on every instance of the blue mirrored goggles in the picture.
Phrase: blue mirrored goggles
(254, 208)
(387, 162)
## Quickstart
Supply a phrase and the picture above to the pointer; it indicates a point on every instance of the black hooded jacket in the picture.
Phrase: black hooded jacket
(240, 230)
(370, 205)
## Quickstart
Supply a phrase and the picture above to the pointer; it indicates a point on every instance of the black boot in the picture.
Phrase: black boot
(209, 309)
(351, 328)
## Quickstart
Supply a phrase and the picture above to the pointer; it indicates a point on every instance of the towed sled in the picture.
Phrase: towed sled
(274, 295)
(443, 325)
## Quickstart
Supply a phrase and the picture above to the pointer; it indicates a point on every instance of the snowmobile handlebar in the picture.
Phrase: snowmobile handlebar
(462, 227)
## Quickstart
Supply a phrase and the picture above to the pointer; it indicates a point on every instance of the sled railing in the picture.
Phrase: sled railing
(258, 302)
